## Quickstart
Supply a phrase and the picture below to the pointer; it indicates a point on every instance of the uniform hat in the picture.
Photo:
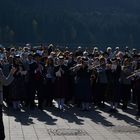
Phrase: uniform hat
(17, 56)
(126, 47)
(61, 57)
(51, 45)
(53, 53)
(84, 58)
(67, 52)
(79, 47)
(117, 48)
(113, 59)
(109, 48)
(95, 48)
(134, 49)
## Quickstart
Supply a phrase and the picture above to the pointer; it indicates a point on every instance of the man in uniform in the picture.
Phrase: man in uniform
(4, 81)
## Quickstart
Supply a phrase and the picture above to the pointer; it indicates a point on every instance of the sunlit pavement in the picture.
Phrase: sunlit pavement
(71, 124)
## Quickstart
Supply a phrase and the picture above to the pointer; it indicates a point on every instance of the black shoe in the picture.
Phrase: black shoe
(82, 109)
(124, 108)
(138, 114)
(113, 111)
(32, 107)
(40, 107)
(87, 110)
(17, 109)
(101, 105)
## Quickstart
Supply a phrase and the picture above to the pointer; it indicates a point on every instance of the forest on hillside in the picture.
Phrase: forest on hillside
(70, 21)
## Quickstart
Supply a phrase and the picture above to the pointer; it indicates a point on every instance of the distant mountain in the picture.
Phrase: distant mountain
(70, 21)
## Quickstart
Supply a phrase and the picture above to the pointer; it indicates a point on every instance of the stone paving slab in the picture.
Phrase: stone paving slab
(97, 124)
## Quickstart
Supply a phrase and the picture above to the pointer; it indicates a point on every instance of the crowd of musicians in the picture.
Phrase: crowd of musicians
(80, 77)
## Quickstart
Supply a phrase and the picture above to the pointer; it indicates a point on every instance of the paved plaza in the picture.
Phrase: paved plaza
(72, 124)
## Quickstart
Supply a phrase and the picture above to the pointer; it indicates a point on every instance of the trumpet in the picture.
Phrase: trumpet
(94, 66)
(76, 67)
(135, 73)
(123, 67)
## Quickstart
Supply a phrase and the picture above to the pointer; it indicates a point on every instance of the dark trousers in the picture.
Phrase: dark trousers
(2, 135)
(49, 91)
(138, 99)
(125, 94)
(100, 93)
(139, 103)
(30, 95)
(39, 87)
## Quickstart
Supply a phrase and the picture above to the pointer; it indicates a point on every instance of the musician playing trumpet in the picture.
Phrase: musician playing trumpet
(125, 82)
(101, 83)
(83, 92)
(113, 86)
(135, 76)
(136, 87)
(61, 84)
